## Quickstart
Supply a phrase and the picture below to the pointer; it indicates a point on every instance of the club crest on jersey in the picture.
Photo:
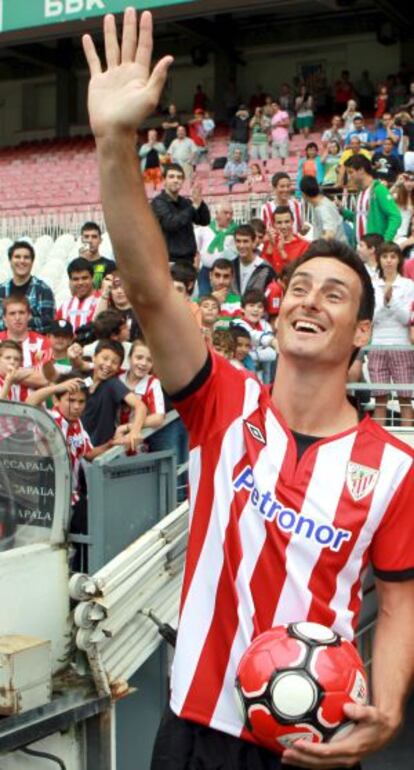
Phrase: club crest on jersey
(360, 480)
(255, 432)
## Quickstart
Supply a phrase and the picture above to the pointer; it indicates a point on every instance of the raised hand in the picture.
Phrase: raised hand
(124, 95)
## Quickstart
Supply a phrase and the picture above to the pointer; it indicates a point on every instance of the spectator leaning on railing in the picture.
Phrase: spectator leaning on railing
(23, 284)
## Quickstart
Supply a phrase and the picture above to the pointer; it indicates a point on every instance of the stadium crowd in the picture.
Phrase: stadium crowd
(87, 361)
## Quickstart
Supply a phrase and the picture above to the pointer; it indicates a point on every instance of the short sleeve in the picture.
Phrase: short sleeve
(216, 399)
(154, 398)
(118, 389)
(392, 551)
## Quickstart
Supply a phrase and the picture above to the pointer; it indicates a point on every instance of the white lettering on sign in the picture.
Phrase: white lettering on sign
(66, 7)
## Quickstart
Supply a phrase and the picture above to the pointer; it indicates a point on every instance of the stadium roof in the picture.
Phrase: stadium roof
(31, 45)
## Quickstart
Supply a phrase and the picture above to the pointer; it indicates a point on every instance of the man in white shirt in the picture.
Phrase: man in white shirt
(214, 241)
(183, 151)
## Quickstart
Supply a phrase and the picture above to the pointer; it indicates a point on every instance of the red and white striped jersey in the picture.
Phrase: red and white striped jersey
(17, 391)
(274, 540)
(268, 211)
(150, 390)
(362, 209)
(78, 311)
(36, 348)
(78, 443)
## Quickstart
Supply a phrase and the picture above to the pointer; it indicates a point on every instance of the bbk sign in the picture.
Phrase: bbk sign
(24, 14)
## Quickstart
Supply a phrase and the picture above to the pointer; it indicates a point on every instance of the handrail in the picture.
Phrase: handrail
(117, 451)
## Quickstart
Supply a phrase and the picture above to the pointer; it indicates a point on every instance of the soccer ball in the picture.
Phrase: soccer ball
(293, 681)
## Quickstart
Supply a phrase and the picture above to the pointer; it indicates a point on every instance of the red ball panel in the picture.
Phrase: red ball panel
(335, 667)
(271, 650)
(277, 737)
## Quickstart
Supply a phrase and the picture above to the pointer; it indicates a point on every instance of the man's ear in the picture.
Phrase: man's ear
(363, 333)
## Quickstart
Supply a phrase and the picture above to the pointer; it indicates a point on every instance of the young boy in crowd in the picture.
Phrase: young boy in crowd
(110, 325)
(106, 394)
(61, 338)
(368, 249)
(224, 343)
(262, 352)
(11, 360)
(69, 397)
(209, 313)
(242, 348)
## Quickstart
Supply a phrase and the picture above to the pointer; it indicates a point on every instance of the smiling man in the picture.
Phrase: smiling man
(299, 446)
(23, 284)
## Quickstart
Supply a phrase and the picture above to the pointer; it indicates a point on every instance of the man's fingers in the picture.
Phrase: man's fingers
(91, 56)
(359, 713)
(112, 52)
(129, 36)
(159, 74)
(145, 43)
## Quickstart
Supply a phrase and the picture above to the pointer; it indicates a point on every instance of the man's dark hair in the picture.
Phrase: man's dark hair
(21, 245)
(222, 264)
(108, 322)
(246, 230)
(278, 176)
(185, 273)
(309, 186)
(343, 253)
(258, 226)
(91, 226)
(79, 265)
(389, 247)
(253, 296)
(113, 345)
(358, 162)
(283, 210)
(239, 331)
(373, 241)
(173, 167)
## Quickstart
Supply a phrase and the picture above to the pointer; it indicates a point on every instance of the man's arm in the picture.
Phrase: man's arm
(39, 396)
(201, 212)
(391, 210)
(393, 654)
(129, 435)
(120, 100)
